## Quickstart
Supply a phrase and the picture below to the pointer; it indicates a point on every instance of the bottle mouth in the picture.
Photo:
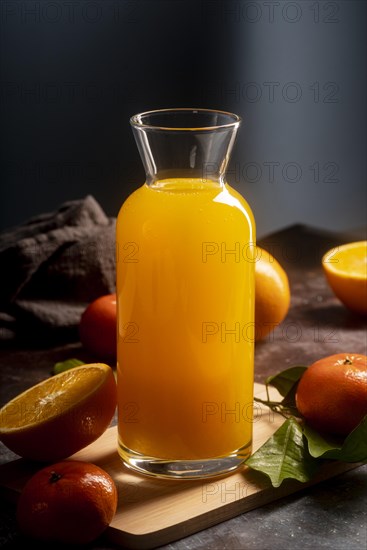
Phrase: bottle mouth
(185, 119)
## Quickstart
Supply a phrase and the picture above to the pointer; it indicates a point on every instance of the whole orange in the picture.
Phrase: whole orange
(332, 393)
(72, 502)
(97, 327)
(272, 293)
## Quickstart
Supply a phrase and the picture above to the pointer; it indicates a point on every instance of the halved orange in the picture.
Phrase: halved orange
(345, 268)
(60, 415)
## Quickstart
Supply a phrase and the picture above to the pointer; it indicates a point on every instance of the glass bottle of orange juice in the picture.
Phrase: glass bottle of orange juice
(185, 301)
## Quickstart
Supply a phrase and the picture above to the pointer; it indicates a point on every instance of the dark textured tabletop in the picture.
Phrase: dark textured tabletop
(331, 515)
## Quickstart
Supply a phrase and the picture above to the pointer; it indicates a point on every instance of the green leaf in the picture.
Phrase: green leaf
(355, 444)
(353, 449)
(321, 445)
(284, 381)
(285, 455)
(66, 365)
(289, 401)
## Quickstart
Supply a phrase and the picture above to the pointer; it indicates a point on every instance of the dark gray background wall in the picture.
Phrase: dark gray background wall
(72, 74)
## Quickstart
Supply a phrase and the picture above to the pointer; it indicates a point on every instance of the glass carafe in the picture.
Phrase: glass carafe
(185, 301)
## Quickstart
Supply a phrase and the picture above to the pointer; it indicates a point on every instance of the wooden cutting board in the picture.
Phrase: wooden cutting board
(153, 512)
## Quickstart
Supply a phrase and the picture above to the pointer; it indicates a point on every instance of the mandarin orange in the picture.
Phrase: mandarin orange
(97, 328)
(332, 393)
(272, 294)
(71, 502)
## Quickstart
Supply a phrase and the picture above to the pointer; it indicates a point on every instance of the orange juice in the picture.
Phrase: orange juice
(185, 298)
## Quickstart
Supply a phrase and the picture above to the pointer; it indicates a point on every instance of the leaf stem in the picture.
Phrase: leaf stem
(276, 406)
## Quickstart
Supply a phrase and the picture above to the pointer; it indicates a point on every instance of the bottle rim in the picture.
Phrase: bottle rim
(139, 120)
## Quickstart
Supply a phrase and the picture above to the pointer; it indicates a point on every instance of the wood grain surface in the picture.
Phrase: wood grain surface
(152, 512)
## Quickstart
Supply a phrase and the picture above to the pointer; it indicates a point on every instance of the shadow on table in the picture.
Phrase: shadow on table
(335, 315)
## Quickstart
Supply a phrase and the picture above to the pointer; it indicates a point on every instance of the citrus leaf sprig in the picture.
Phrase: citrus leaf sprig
(295, 450)
(284, 455)
(286, 383)
(68, 364)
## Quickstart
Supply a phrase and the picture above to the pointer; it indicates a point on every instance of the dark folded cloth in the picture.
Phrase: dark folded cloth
(52, 266)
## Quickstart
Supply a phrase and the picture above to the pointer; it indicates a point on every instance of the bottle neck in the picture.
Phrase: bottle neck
(202, 156)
